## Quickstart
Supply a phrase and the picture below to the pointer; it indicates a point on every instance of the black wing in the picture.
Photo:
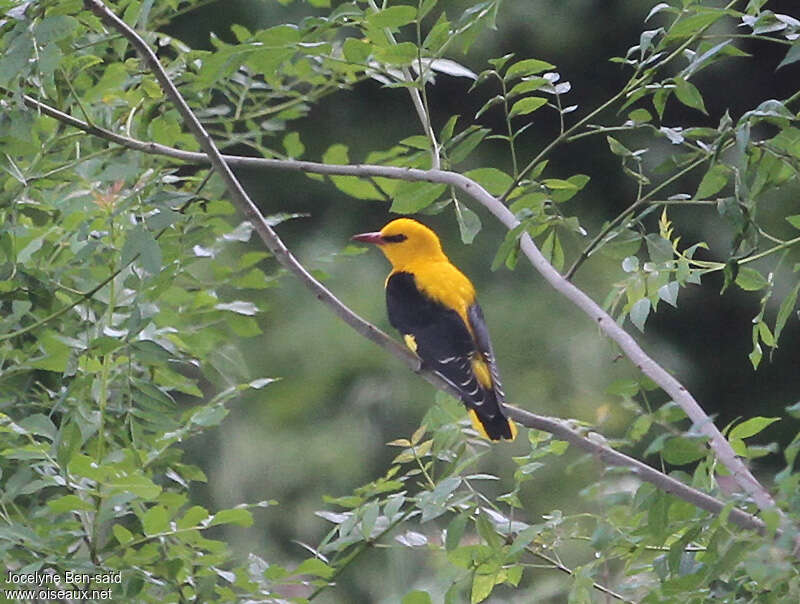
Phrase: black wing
(445, 345)
(484, 345)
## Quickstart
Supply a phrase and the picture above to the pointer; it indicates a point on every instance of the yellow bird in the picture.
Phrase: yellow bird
(433, 306)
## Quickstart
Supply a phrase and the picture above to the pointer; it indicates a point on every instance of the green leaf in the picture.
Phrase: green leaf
(750, 279)
(660, 101)
(56, 353)
(155, 520)
(524, 538)
(111, 83)
(293, 145)
(393, 17)
(751, 427)
(552, 250)
(368, 519)
(39, 424)
(658, 514)
(766, 334)
(68, 443)
(532, 201)
(463, 144)
(52, 29)
(351, 185)
(416, 597)
(438, 35)
(794, 220)
(689, 95)
(209, 415)
(487, 531)
(568, 188)
(411, 197)
(557, 183)
(15, 58)
(316, 567)
(640, 116)
(239, 307)
(692, 24)
(525, 86)
(468, 223)
(498, 62)
(755, 355)
(121, 534)
(136, 484)
(275, 572)
(280, 35)
(147, 351)
(713, 181)
(493, 180)
(193, 517)
(513, 575)
(140, 241)
(527, 67)
(417, 141)
(670, 412)
(482, 586)
(638, 313)
(527, 105)
(455, 530)
(669, 293)
(792, 56)
(68, 503)
(682, 450)
(617, 148)
(729, 273)
(640, 427)
(397, 54)
(509, 246)
(624, 387)
(267, 61)
(785, 311)
(495, 100)
(447, 130)
(356, 50)
(238, 516)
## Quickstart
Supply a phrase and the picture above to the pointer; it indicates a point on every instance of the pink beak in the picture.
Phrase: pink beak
(375, 238)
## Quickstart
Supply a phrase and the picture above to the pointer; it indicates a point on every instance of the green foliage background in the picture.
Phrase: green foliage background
(196, 400)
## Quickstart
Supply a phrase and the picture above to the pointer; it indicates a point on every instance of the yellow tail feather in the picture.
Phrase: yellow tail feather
(514, 430)
(481, 371)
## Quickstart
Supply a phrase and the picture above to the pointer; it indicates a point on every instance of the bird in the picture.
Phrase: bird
(434, 307)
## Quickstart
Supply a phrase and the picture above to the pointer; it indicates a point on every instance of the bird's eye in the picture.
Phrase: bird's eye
(395, 238)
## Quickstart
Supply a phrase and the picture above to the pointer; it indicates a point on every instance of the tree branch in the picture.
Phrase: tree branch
(646, 473)
(240, 198)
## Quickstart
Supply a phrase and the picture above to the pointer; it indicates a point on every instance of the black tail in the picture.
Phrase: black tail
(498, 427)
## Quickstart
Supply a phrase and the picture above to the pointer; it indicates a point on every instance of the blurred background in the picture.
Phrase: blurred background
(322, 428)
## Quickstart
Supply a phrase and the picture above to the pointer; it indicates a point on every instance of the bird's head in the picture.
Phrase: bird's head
(405, 241)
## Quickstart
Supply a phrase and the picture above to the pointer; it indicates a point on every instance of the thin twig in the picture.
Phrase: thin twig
(558, 565)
